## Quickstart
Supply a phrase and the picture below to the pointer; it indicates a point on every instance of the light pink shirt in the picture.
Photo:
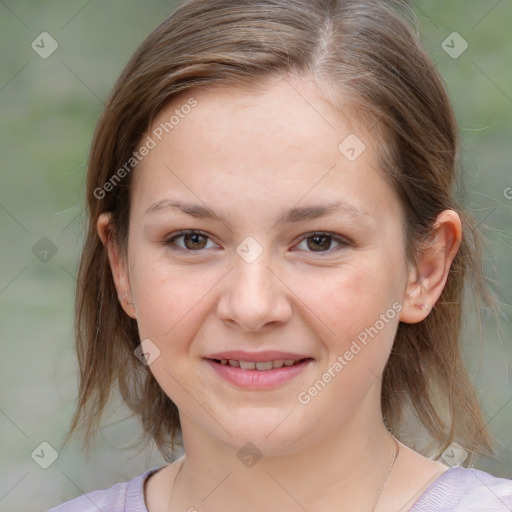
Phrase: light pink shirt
(456, 490)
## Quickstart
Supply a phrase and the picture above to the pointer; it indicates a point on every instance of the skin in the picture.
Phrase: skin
(249, 154)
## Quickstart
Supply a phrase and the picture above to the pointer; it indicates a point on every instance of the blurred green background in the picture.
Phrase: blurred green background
(49, 107)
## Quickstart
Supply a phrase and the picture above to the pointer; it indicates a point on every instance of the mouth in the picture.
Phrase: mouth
(270, 370)
(260, 365)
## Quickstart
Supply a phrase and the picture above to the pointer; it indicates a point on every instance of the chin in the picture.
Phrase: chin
(273, 431)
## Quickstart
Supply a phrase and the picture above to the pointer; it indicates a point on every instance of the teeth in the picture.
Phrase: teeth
(260, 365)
(264, 365)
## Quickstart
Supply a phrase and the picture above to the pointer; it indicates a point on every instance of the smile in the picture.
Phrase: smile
(258, 375)
(259, 365)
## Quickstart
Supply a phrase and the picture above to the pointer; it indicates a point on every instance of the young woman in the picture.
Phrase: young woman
(274, 266)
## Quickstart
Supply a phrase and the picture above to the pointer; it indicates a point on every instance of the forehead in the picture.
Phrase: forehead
(286, 111)
(279, 142)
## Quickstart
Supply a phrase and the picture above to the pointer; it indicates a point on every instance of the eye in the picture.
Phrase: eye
(320, 242)
(193, 240)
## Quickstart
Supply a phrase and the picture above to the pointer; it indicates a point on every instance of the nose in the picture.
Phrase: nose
(254, 299)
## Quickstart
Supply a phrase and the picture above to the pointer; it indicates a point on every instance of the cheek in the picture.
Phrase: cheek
(359, 308)
(170, 298)
(351, 298)
(172, 306)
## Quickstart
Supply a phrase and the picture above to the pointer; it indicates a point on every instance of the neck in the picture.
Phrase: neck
(341, 472)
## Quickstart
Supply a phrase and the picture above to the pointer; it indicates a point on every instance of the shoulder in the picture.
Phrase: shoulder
(121, 497)
(466, 490)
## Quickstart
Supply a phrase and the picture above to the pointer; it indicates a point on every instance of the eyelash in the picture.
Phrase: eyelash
(169, 241)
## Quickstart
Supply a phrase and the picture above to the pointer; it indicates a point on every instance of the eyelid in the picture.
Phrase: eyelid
(341, 240)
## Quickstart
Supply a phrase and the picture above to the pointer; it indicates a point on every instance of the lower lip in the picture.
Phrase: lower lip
(258, 379)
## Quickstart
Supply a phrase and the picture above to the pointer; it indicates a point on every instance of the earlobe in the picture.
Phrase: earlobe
(117, 265)
(427, 280)
(416, 306)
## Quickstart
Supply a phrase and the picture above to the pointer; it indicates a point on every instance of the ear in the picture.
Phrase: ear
(118, 266)
(427, 280)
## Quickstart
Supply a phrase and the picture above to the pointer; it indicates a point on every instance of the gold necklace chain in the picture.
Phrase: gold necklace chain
(395, 455)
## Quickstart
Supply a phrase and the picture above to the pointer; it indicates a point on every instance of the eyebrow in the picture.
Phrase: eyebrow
(295, 214)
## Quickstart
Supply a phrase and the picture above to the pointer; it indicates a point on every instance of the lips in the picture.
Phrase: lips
(267, 355)
(258, 370)
(259, 380)
(258, 365)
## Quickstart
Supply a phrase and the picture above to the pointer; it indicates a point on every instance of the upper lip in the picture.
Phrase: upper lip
(267, 355)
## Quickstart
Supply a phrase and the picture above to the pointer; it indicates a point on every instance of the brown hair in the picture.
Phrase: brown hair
(365, 49)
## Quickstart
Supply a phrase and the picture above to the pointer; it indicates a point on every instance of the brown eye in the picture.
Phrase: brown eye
(195, 241)
(192, 241)
(322, 242)
(319, 242)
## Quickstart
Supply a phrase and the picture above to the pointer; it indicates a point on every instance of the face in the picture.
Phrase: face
(303, 260)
